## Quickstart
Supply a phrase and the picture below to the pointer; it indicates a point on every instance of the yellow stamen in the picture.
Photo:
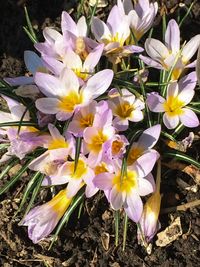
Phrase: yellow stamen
(124, 110)
(127, 182)
(87, 121)
(81, 169)
(60, 202)
(69, 102)
(116, 146)
(134, 154)
(81, 73)
(100, 168)
(173, 106)
(97, 142)
(57, 143)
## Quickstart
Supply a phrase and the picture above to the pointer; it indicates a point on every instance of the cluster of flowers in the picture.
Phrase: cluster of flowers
(67, 88)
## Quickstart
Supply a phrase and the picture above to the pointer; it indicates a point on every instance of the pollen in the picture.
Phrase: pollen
(173, 106)
(124, 110)
(117, 146)
(87, 121)
(83, 74)
(101, 168)
(127, 182)
(69, 102)
(81, 169)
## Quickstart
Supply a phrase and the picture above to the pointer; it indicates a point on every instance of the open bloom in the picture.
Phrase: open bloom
(21, 141)
(140, 17)
(125, 107)
(163, 56)
(125, 190)
(64, 96)
(59, 147)
(114, 35)
(174, 106)
(41, 220)
(145, 143)
(97, 137)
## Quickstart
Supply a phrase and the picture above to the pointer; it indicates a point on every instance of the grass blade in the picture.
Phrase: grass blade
(182, 157)
(116, 219)
(125, 231)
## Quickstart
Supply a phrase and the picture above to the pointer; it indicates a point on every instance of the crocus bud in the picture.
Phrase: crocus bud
(41, 220)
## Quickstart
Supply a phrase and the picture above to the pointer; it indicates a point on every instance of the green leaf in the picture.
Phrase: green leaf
(116, 219)
(29, 188)
(182, 157)
(14, 179)
(30, 27)
(125, 231)
(187, 13)
(8, 166)
(17, 123)
(77, 153)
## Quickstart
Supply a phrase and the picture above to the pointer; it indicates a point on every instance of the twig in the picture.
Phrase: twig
(182, 207)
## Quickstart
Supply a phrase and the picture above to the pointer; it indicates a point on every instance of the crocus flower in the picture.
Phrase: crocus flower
(149, 223)
(59, 147)
(42, 220)
(125, 190)
(163, 56)
(174, 106)
(96, 137)
(114, 35)
(75, 176)
(145, 143)
(20, 142)
(140, 17)
(125, 107)
(33, 63)
(64, 96)
(116, 147)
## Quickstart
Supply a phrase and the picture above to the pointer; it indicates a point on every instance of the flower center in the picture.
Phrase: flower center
(80, 48)
(69, 102)
(87, 121)
(173, 106)
(101, 168)
(57, 143)
(97, 141)
(60, 202)
(127, 182)
(81, 169)
(124, 110)
(83, 74)
(116, 146)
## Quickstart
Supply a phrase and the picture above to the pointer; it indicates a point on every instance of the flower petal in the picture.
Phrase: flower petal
(170, 121)
(190, 48)
(155, 102)
(189, 118)
(149, 137)
(116, 199)
(134, 206)
(172, 36)
(47, 105)
(156, 50)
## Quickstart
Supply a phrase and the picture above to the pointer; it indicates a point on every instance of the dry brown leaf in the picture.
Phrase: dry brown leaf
(170, 234)
(105, 239)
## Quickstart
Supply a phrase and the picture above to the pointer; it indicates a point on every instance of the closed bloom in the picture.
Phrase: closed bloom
(64, 95)
(140, 17)
(42, 220)
(175, 105)
(163, 56)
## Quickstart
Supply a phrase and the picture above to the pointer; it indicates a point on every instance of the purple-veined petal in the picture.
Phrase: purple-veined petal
(93, 58)
(144, 187)
(156, 50)
(134, 206)
(82, 27)
(189, 118)
(68, 24)
(149, 137)
(99, 29)
(54, 65)
(103, 181)
(170, 121)
(145, 163)
(116, 199)
(150, 62)
(190, 48)
(155, 102)
(172, 36)
(47, 105)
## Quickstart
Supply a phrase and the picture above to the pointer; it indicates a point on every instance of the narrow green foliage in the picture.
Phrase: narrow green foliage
(195, 109)
(8, 166)
(116, 220)
(80, 209)
(17, 123)
(178, 130)
(80, 9)
(29, 188)
(169, 136)
(77, 200)
(29, 29)
(187, 13)
(125, 231)
(15, 178)
(180, 156)
(77, 153)
(37, 186)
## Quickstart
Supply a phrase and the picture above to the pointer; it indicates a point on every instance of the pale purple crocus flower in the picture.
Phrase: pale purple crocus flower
(96, 137)
(144, 145)
(140, 16)
(20, 142)
(116, 147)
(174, 106)
(163, 56)
(125, 107)
(42, 219)
(114, 33)
(74, 176)
(58, 147)
(149, 223)
(33, 63)
(64, 95)
(126, 190)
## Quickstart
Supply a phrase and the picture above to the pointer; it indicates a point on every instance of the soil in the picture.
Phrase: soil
(81, 242)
